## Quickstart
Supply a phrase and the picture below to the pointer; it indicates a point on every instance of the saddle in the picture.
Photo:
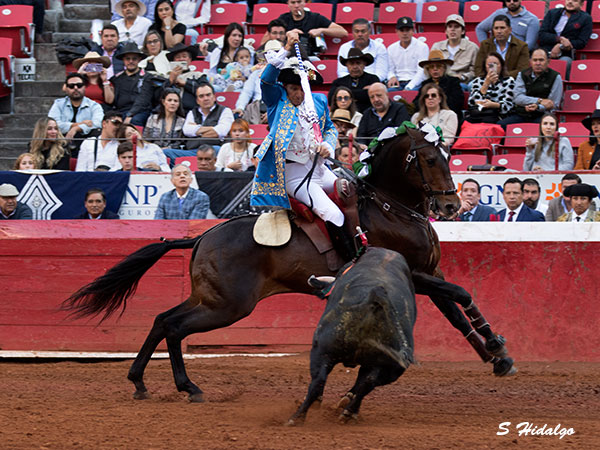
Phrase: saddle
(273, 229)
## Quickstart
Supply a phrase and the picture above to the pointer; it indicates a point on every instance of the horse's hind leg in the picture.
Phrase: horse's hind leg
(157, 334)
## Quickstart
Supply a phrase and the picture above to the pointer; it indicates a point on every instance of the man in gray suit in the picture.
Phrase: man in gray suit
(471, 210)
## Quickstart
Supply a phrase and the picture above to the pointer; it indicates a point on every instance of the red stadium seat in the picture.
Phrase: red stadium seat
(575, 131)
(386, 39)
(347, 12)
(72, 164)
(7, 70)
(227, 99)
(327, 69)
(578, 104)
(516, 136)
(584, 74)
(595, 12)
(265, 12)
(333, 46)
(190, 161)
(389, 13)
(461, 163)
(592, 48)
(476, 12)
(258, 133)
(560, 66)
(409, 96)
(325, 9)
(535, 7)
(223, 14)
(16, 24)
(257, 38)
(512, 161)
(472, 36)
(200, 66)
(431, 38)
(434, 15)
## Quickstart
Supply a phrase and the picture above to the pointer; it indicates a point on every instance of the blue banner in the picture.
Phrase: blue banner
(61, 195)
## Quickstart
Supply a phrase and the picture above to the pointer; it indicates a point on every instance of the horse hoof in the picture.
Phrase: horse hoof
(292, 422)
(141, 395)
(504, 367)
(347, 416)
(198, 397)
(496, 346)
(345, 400)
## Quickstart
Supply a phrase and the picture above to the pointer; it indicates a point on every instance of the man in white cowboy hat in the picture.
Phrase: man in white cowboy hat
(10, 208)
(133, 26)
(290, 152)
(357, 80)
(149, 14)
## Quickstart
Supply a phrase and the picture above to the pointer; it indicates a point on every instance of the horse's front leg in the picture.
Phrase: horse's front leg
(445, 295)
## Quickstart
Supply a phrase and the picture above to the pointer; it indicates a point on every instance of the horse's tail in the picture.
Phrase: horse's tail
(110, 291)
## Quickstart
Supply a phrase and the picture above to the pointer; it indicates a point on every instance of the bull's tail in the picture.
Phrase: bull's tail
(404, 357)
(109, 292)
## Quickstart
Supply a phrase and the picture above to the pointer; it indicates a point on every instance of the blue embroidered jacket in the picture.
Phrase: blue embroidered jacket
(269, 182)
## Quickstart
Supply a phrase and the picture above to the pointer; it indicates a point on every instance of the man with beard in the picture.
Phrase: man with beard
(531, 195)
(516, 210)
(109, 36)
(525, 25)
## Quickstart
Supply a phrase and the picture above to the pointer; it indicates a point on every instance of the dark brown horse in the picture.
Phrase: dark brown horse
(231, 273)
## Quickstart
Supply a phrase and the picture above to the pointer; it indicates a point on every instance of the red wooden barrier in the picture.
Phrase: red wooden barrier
(543, 296)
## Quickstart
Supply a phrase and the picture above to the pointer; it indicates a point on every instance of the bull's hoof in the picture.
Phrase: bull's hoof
(496, 346)
(198, 397)
(345, 400)
(504, 367)
(347, 417)
(141, 395)
(293, 421)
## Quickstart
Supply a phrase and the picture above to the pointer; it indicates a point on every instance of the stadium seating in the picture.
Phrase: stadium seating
(592, 48)
(560, 66)
(227, 99)
(7, 69)
(386, 39)
(409, 96)
(200, 66)
(223, 14)
(16, 24)
(434, 15)
(263, 13)
(460, 163)
(476, 12)
(347, 12)
(191, 160)
(430, 38)
(472, 36)
(578, 104)
(258, 133)
(325, 9)
(516, 136)
(535, 7)
(584, 74)
(328, 70)
(257, 37)
(512, 161)
(575, 131)
(389, 13)
(333, 47)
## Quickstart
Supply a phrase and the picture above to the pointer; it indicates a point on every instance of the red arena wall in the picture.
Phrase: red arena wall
(542, 296)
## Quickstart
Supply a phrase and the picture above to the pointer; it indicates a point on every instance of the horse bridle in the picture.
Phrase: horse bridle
(412, 156)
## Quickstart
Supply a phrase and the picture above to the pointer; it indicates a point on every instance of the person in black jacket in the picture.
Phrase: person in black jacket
(574, 35)
(95, 206)
(435, 71)
(357, 79)
(383, 113)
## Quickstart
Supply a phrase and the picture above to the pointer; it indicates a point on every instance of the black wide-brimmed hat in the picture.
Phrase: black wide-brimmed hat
(130, 47)
(192, 49)
(355, 54)
(587, 122)
(290, 73)
(581, 190)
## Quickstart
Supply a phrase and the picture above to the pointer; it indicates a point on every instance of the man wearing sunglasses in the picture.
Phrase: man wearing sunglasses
(76, 115)
(525, 25)
(101, 150)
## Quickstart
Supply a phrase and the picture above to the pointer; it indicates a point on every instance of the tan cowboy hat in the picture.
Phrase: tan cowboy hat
(342, 115)
(8, 190)
(92, 57)
(436, 56)
(119, 7)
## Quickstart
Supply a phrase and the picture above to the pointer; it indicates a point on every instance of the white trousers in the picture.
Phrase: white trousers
(321, 183)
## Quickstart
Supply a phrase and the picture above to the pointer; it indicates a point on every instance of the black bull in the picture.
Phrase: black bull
(368, 322)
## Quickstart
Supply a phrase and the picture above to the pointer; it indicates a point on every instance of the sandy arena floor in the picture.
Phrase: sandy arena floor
(62, 405)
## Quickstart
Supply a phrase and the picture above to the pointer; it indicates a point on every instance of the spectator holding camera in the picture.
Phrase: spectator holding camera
(94, 66)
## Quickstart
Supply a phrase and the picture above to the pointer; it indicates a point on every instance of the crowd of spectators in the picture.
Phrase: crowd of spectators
(140, 83)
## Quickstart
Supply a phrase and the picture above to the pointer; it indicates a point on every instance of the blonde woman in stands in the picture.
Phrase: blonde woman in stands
(149, 156)
(541, 151)
(433, 109)
(236, 156)
(48, 146)
(157, 61)
(25, 161)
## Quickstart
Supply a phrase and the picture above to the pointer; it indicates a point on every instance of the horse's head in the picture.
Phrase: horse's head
(414, 165)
